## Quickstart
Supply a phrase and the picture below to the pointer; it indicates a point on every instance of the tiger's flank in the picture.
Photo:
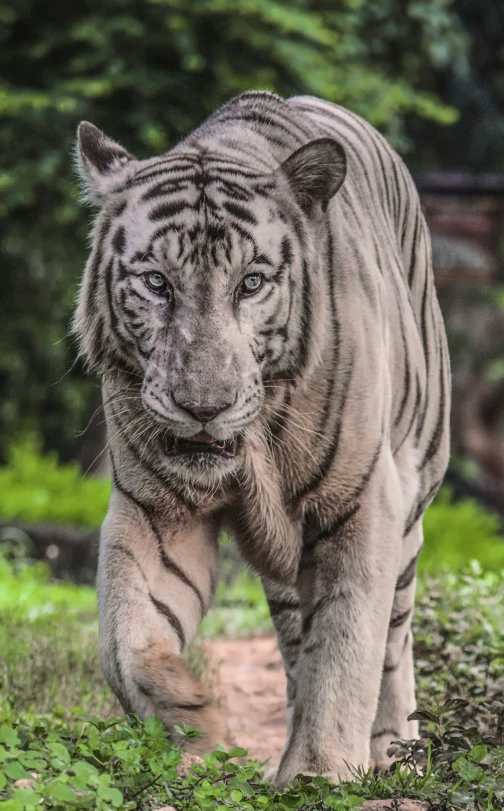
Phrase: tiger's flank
(259, 304)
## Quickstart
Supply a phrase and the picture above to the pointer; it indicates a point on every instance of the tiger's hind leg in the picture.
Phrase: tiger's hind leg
(397, 692)
(154, 586)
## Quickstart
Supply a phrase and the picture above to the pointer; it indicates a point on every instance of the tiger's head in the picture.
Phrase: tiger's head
(204, 285)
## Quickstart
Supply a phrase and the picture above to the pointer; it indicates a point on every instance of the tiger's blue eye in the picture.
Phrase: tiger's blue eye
(251, 284)
(156, 282)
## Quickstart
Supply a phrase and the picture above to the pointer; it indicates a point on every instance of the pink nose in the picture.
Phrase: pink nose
(203, 412)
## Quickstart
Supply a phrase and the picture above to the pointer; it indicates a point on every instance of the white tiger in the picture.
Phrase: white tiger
(259, 303)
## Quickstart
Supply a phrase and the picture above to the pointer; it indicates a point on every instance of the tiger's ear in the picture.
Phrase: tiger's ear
(315, 172)
(103, 165)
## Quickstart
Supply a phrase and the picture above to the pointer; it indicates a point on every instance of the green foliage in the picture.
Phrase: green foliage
(455, 534)
(98, 764)
(27, 588)
(475, 86)
(39, 489)
(147, 73)
(75, 758)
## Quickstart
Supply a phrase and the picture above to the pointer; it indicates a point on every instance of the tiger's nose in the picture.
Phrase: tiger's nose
(203, 412)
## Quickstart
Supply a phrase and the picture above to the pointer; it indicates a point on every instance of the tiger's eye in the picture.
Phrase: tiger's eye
(156, 282)
(252, 284)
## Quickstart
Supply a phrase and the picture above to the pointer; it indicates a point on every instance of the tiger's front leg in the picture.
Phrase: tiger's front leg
(154, 587)
(346, 587)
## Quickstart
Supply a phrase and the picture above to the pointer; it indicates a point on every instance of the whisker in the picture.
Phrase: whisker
(301, 444)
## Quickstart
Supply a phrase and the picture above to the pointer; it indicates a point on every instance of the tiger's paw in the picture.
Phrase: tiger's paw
(338, 775)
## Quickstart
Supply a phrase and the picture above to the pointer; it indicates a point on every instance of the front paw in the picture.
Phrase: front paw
(336, 775)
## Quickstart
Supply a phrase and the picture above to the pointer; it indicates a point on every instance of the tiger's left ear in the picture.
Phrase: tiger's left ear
(103, 165)
(315, 172)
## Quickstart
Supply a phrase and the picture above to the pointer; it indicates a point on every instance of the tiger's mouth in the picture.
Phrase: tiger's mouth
(201, 443)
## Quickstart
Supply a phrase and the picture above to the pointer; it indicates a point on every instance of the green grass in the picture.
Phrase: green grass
(50, 677)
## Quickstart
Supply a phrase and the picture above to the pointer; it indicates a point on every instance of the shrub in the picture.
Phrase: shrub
(39, 489)
(457, 533)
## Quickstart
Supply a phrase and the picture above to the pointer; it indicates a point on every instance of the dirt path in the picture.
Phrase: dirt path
(251, 687)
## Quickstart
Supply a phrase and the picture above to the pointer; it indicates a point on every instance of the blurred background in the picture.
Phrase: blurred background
(429, 74)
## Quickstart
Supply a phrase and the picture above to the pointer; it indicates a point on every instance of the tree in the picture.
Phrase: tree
(147, 71)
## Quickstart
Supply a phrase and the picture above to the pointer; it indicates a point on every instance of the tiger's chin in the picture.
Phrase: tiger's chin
(202, 458)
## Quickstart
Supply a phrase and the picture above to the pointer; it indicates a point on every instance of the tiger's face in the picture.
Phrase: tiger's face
(204, 311)
(200, 282)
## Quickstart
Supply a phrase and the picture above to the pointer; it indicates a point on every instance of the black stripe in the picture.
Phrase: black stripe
(234, 190)
(367, 475)
(168, 209)
(167, 165)
(108, 288)
(407, 371)
(391, 668)
(117, 546)
(331, 451)
(438, 433)
(335, 326)
(200, 706)
(306, 320)
(294, 642)
(119, 240)
(94, 268)
(172, 619)
(412, 263)
(397, 196)
(408, 575)
(166, 187)
(337, 525)
(167, 562)
(425, 342)
(321, 603)
(120, 678)
(243, 233)
(278, 606)
(388, 731)
(400, 619)
(240, 212)
(421, 506)
(414, 415)
(269, 123)
(121, 207)
(313, 646)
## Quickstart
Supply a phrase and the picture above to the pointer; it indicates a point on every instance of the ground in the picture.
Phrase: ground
(251, 688)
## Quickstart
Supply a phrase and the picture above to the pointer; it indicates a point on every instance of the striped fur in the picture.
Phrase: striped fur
(335, 374)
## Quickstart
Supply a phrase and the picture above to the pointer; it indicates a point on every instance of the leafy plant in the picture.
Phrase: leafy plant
(51, 687)
(35, 487)
(457, 533)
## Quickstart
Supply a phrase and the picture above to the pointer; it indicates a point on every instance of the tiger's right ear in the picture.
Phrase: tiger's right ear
(103, 165)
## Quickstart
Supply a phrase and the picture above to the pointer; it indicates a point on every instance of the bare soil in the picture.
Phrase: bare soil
(251, 690)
